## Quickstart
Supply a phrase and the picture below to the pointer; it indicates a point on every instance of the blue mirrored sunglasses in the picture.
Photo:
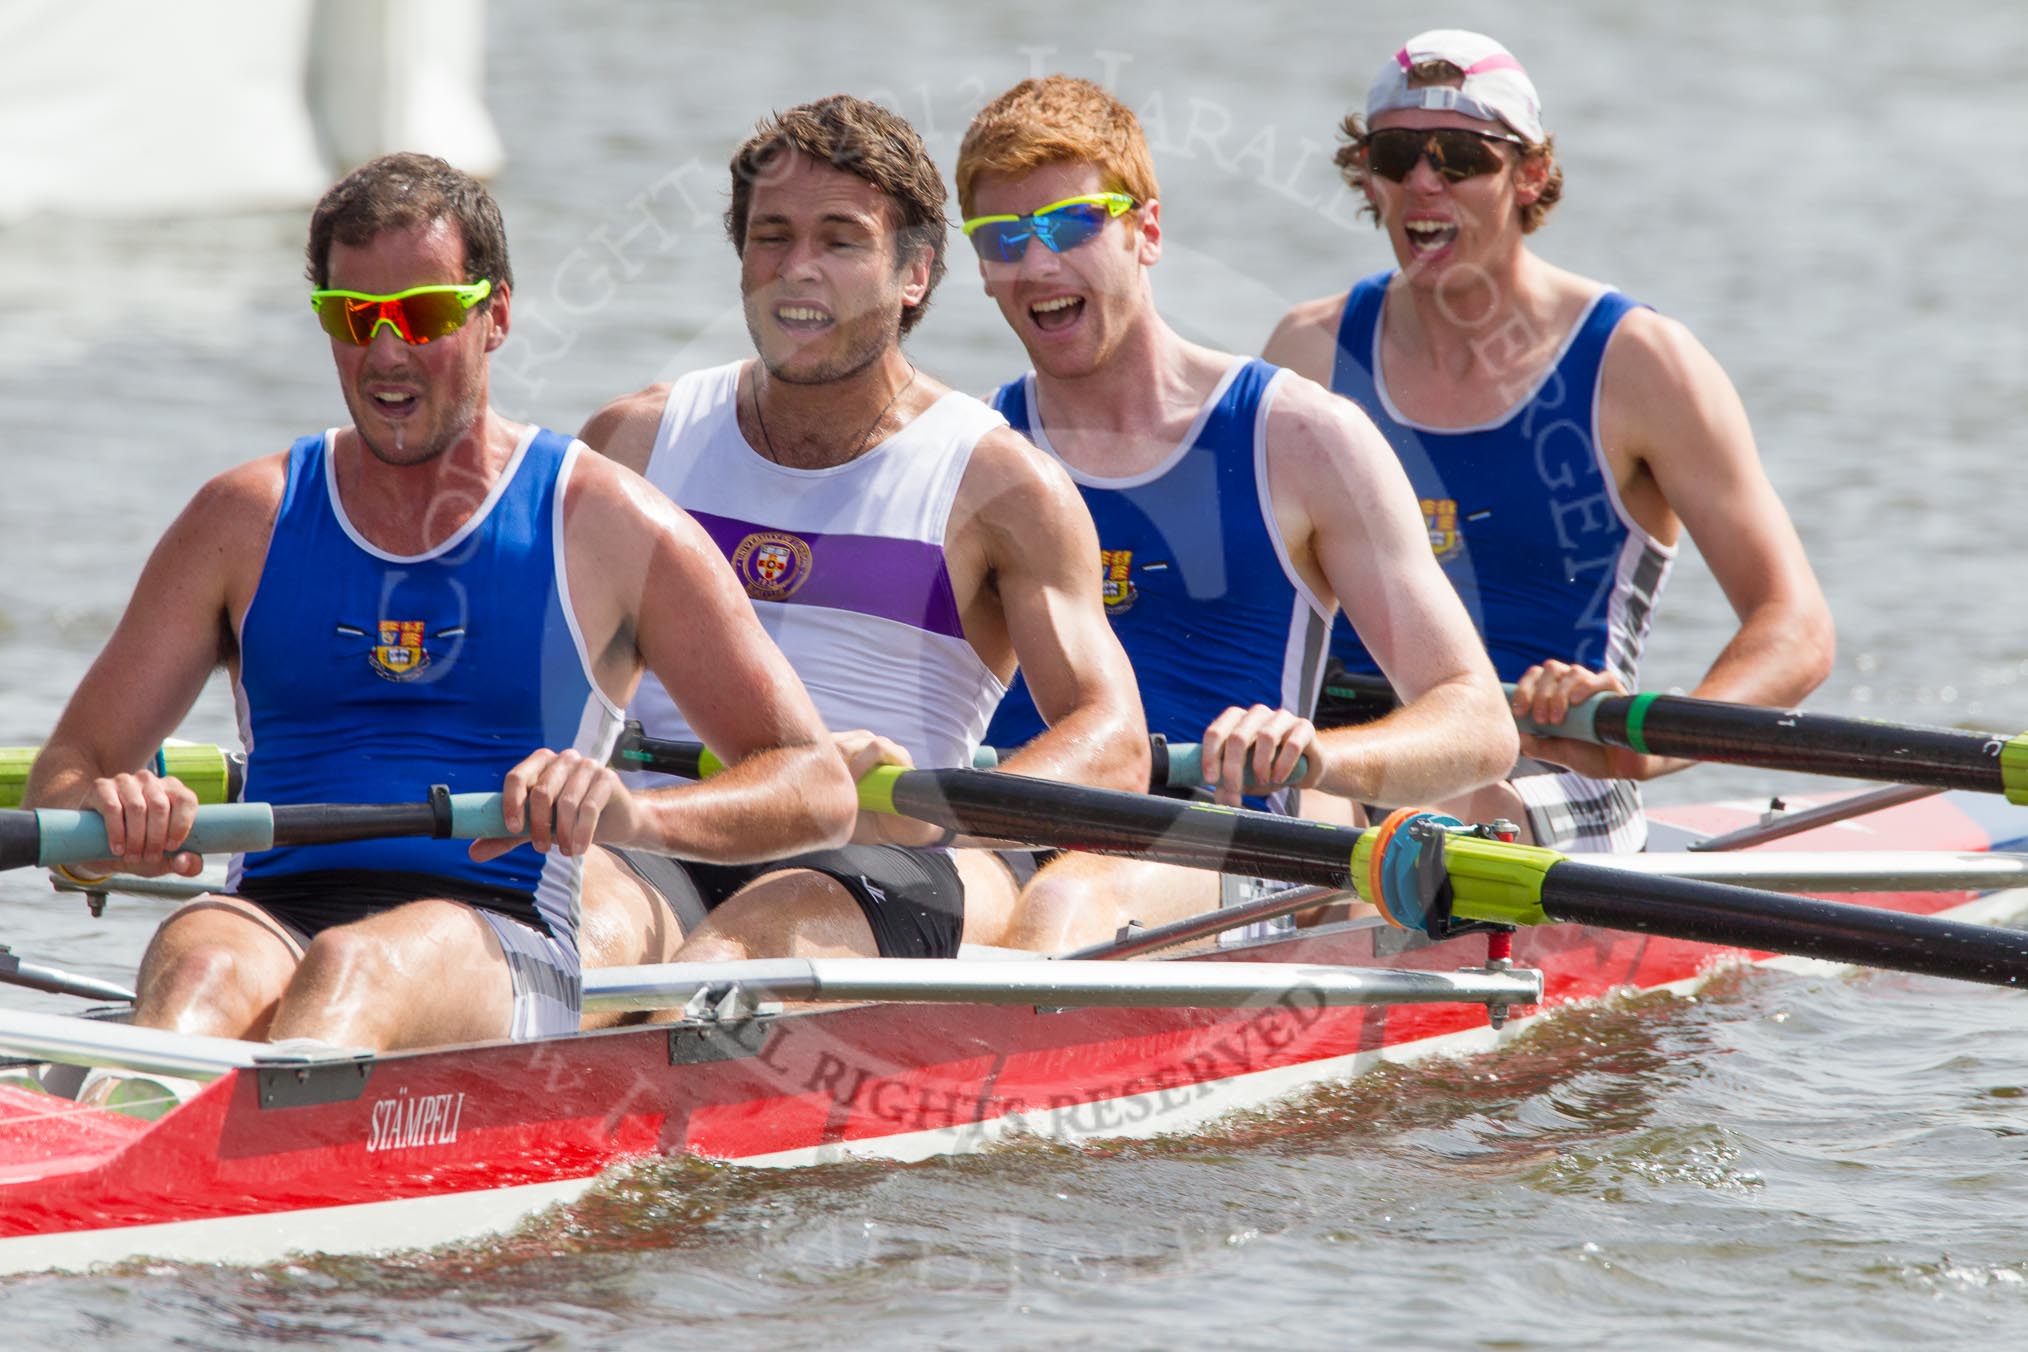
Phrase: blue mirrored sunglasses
(1060, 226)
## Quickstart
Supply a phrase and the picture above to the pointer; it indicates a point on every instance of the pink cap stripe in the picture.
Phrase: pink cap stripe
(1401, 59)
(1497, 61)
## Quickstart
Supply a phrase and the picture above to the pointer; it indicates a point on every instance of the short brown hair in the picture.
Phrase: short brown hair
(1351, 157)
(869, 142)
(398, 191)
(1054, 121)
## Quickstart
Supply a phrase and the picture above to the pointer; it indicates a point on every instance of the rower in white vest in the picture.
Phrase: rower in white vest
(845, 564)
(902, 546)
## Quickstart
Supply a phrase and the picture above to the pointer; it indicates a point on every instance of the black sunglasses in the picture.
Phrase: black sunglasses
(1454, 152)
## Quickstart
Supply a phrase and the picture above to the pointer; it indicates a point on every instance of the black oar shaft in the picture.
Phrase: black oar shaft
(328, 823)
(1507, 884)
(1740, 917)
(1773, 739)
(1072, 817)
(1102, 821)
(1788, 739)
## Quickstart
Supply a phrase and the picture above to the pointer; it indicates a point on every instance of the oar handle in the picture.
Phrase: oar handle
(1185, 770)
(50, 837)
(1580, 724)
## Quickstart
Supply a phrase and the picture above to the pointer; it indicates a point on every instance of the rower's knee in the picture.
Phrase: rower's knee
(341, 967)
(623, 921)
(705, 946)
(796, 913)
(204, 989)
(1057, 910)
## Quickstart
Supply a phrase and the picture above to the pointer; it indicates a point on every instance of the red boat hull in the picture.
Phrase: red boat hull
(418, 1148)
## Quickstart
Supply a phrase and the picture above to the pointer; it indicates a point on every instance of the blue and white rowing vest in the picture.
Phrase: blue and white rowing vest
(1198, 584)
(845, 566)
(1523, 512)
(367, 677)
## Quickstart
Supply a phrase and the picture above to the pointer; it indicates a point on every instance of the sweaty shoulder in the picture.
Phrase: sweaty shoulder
(239, 506)
(606, 494)
(1008, 476)
(624, 430)
(222, 534)
(1656, 374)
(1306, 339)
(1657, 353)
(1307, 420)
(1326, 459)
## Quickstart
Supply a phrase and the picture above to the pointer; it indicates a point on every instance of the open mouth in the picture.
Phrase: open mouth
(1427, 237)
(800, 318)
(1058, 312)
(395, 403)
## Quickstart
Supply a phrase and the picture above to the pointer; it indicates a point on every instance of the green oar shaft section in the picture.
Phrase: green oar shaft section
(215, 774)
(1776, 739)
(1507, 884)
(52, 836)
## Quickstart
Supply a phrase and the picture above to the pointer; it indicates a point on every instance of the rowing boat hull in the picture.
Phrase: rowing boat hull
(418, 1149)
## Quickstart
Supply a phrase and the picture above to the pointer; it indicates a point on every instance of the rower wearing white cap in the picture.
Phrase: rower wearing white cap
(1561, 436)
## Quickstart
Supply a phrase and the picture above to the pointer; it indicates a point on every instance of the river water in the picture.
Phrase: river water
(1824, 193)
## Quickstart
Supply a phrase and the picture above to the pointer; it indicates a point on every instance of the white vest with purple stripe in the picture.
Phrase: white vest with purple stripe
(845, 566)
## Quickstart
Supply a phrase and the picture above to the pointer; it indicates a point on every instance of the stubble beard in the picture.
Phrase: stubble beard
(412, 446)
(863, 348)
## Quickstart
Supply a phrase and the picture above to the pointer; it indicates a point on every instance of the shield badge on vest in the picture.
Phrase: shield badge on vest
(400, 654)
(1440, 515)
(1118, 588)
(772, 564)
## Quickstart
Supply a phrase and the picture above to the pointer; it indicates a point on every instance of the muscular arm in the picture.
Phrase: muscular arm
(177, 627)
(1682, 415)
(1348, 511)
(660, 588)
(1041, 554)
(1670, 407)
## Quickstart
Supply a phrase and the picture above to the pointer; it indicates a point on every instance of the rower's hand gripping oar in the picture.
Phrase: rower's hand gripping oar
(50, 837)
(1773, 739)
(1171, 765)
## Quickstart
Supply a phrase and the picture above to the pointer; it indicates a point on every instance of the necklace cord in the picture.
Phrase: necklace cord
(865, 439)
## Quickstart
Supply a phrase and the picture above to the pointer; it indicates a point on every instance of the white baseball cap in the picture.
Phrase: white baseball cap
(1495, 88)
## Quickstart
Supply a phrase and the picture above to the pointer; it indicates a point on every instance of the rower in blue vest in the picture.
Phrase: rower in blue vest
(1560, 436)
(429, 594)
(1238, 506)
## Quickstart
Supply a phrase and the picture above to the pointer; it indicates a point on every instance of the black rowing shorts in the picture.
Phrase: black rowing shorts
(306, 904)
(913, 899)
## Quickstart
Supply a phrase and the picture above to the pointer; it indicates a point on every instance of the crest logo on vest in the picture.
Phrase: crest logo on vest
(1119, 590)
(400, 654)
(772, 564)
(1440, 515)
